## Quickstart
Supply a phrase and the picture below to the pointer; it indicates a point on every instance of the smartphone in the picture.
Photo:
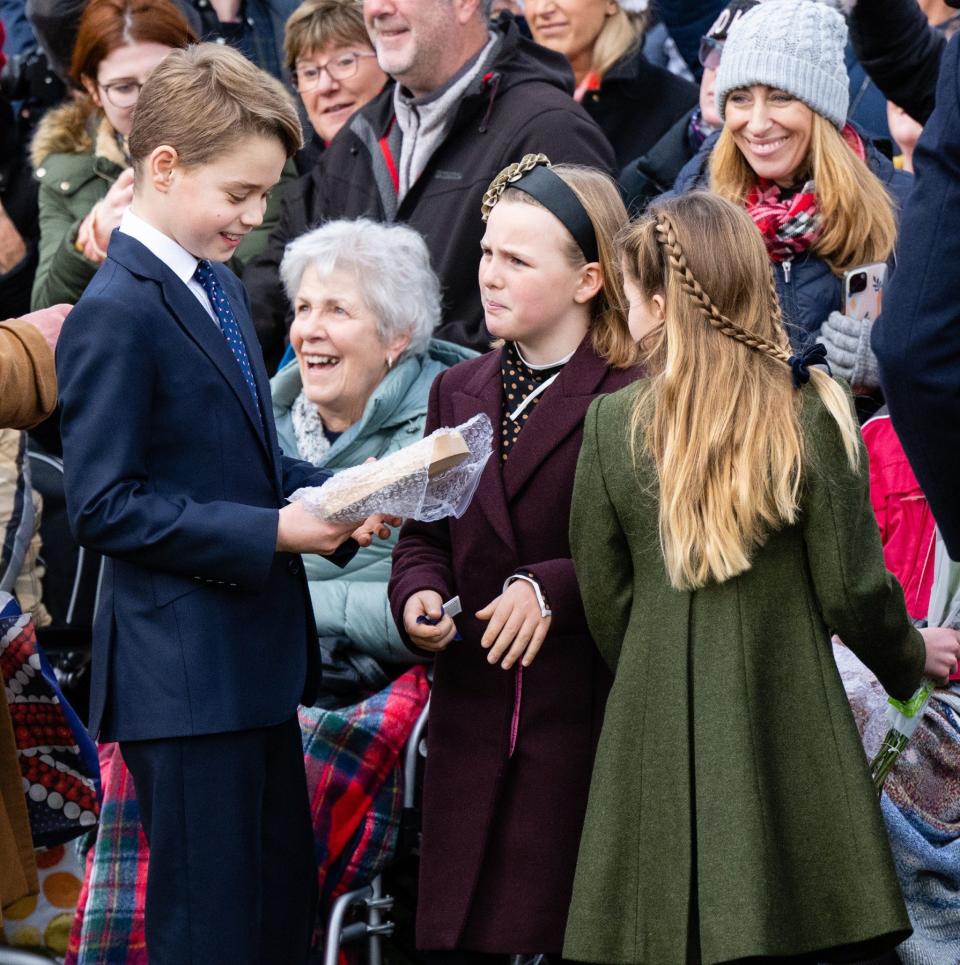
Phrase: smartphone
(863, 291)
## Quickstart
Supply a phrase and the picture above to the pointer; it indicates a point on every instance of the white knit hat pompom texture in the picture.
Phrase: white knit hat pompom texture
(795, 46)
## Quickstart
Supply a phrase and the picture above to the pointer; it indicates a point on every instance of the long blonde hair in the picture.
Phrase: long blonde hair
(720, 416)
(857, 214)
(603, 203)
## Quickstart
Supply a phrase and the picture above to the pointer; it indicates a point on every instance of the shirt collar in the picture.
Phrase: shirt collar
(172, 254)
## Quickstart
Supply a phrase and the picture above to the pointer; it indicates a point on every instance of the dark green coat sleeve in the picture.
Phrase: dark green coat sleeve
(859, 599)
(598, 545)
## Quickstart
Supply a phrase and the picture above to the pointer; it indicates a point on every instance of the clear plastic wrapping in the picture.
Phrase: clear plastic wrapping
(427, 481)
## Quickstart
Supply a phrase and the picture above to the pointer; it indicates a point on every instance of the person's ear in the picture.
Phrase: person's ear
(91, 88)
(466, 10)
(161, 167)
(396, 348)
(590, 283)
(659, 306)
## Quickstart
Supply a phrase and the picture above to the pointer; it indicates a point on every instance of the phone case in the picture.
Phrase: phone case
(865, 304)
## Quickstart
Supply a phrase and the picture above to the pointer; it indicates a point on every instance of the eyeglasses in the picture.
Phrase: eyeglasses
(123, 93)
(340, 68)
(710, 53)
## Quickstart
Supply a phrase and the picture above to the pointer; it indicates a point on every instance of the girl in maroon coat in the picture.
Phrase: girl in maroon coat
(518, 696)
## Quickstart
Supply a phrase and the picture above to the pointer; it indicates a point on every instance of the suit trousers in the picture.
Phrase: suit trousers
(233, 877)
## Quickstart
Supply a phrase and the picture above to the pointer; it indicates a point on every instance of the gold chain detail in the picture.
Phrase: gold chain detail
(513, 172)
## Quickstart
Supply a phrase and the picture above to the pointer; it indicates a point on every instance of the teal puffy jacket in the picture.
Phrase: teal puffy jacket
(352, 602)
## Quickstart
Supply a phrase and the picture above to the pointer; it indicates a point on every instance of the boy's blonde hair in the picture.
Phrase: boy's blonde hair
(203, 99)
(720, 416)
(317, 23)
(603, 203)
(858, 225)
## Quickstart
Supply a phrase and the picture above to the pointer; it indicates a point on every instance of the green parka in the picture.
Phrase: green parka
(731, 806)
(352, 601)
(76, 159)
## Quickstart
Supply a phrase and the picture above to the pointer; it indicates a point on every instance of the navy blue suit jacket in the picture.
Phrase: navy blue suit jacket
(202, 627)
(917, 337)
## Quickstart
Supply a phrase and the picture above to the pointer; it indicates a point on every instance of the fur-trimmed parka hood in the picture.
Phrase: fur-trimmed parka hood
(76, 127)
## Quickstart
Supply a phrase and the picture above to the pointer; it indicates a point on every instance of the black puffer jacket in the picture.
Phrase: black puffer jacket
(522, 104)
(637, 104)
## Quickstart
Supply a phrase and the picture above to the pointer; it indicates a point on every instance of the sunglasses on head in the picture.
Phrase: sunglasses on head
(711, 50)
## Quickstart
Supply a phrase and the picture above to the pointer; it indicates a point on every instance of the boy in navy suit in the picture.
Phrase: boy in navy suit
(204, 642)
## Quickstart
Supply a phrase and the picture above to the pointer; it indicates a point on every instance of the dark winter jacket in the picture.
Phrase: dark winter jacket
(637, 103)
(900, 51)
(522, 104)
(917, 338)
(656, 171)
(809, 290)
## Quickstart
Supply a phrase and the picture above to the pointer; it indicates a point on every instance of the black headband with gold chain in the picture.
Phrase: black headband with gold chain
(532, 176)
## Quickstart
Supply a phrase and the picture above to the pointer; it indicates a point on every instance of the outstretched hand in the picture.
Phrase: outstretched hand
(299, 531)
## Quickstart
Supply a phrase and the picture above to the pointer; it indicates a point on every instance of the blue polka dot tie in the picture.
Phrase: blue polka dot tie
(228, 325)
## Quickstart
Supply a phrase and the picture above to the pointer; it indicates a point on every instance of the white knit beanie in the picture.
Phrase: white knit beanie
(793, 45)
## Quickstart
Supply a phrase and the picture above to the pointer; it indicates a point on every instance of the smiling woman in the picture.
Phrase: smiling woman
(823, 197)
(333, 64)
(366, 303)
(633, 101)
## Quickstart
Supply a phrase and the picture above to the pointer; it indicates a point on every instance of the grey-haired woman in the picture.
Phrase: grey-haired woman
(366, 302)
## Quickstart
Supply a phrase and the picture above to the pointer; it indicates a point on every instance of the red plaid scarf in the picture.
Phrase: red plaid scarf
(792, 226)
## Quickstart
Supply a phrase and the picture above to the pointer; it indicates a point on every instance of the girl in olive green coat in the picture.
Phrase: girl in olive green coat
(721, 530)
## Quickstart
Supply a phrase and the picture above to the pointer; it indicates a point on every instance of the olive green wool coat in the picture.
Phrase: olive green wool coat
(731, 804)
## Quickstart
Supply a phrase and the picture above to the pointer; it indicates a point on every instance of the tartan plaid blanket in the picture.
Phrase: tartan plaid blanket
(353, 759)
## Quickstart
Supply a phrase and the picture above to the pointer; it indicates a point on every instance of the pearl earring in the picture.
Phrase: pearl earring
(389, 362)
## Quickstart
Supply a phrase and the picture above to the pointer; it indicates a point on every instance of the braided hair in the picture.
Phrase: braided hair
(667, 237)
(720, 426)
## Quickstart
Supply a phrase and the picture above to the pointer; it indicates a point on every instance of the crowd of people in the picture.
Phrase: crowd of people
(248, 244)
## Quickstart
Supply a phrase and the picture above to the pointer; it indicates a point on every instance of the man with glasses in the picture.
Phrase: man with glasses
(470, 98)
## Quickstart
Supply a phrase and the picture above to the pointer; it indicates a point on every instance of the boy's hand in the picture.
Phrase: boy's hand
(299, 531)
(516, 628)
(943, 652)
(428, 603)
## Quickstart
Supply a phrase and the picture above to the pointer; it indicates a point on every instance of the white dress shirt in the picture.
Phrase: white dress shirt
(172, 254)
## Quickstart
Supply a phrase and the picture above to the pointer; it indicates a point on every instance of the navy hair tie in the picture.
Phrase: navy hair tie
(800, 364)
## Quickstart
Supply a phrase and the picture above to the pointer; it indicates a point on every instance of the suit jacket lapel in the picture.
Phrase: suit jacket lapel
(203, 330)
(483, 393)
(559, 412)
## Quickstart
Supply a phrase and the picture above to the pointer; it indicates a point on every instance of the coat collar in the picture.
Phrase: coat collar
(189, 313)
(553, 420)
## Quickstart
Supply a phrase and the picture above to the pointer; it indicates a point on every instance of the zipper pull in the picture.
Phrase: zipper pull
(787, 269)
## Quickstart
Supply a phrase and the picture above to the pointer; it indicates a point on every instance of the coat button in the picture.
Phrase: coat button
(64, 185)
(294, 566)
(41, 172)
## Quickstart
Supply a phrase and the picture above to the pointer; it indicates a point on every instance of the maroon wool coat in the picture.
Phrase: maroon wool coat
(500, 831)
